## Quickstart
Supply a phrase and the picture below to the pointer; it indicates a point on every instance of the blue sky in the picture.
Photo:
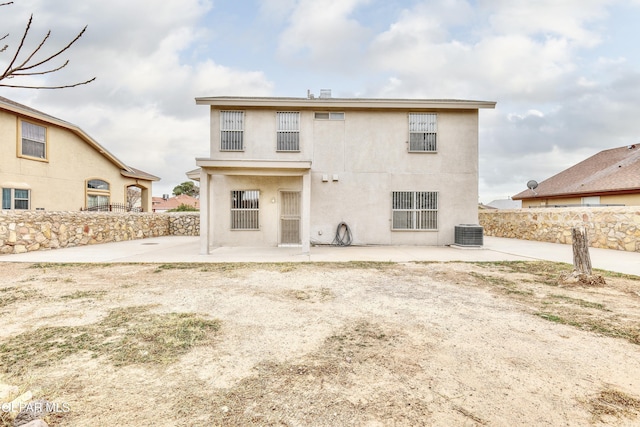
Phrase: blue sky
(565, 74)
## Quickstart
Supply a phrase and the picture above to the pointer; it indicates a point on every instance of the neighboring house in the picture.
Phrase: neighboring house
(611, 177)
(49, 164)
(163, 204)
(288, 171)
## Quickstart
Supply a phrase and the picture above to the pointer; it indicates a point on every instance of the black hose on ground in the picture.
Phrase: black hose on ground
(343, 235)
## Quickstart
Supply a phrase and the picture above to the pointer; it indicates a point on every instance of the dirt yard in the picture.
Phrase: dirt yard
(336, 344)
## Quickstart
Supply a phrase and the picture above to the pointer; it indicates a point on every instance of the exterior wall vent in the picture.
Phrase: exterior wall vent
(468, 235)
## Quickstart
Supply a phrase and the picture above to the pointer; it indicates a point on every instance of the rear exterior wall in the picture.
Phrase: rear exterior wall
(356, 164)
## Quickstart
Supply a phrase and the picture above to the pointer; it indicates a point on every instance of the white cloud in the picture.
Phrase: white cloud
(568, 19)
(521, 49)
(322, 34)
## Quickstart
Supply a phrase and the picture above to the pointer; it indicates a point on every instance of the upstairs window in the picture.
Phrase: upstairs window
(329, 116)
(288, 131)
(423, 128)
(33, 140)
(414, 210)
(14, 198)
(231, 130)
(245, 209)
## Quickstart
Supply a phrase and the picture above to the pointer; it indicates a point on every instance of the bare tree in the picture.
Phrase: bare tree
(26, 64)
(134, 194)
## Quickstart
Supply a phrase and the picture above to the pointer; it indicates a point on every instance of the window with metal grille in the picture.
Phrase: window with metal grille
(288, 131)
(231, 130)
(244, 209)
(33, 140)
(423, 129)
(414, 210)
(13, 198)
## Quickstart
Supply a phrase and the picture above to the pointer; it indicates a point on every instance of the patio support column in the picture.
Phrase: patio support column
(205, 211)
(305, 226)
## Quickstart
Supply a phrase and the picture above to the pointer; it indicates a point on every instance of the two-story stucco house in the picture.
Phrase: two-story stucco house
(49, 164)
(289, 171)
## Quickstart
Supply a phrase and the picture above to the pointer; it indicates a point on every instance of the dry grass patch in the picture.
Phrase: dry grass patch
(536, 285)
(328, 387)
(128, 335)
(613, 403)
(281, 267)
(12, 294)
(84, 295)
(311, 295)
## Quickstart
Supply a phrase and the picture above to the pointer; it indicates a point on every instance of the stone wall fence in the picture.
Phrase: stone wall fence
(607, 227)
(25, 231)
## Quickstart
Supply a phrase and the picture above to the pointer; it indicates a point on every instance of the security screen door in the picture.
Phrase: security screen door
(289, 217)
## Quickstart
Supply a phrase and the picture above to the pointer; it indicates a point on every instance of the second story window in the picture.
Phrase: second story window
(231, 130)
(288, 131)
(33, 140)
(423, 128)
(329, 116)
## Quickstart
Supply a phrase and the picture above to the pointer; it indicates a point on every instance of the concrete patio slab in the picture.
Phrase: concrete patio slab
(186, 249)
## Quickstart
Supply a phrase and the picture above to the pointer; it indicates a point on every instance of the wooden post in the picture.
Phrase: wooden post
(581, 258)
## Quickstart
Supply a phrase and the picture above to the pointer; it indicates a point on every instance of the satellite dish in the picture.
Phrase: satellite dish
(532, 185)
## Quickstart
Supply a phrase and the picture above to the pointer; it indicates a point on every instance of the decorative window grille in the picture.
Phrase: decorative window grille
(423, 128)
(34, 143)
(244, 209)
(231, 130)
(414, 210)
(15, 198)
(288, 131)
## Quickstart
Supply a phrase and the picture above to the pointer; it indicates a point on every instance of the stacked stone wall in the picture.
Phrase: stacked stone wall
(25, 231)
(184, 223)
(607, 227)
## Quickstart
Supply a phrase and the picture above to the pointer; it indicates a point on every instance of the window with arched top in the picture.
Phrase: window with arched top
(97, 184)
(98, 195)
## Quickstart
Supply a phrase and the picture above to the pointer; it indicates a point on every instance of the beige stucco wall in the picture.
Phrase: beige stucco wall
(619, 199)
(607, 227)
(58, 184)
(269, 187)
(368, 151)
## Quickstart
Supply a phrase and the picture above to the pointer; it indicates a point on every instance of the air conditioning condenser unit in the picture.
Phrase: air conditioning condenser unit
(468, 235)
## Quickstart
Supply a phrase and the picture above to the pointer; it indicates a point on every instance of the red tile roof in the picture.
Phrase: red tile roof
(160, 204)
(614, 170)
